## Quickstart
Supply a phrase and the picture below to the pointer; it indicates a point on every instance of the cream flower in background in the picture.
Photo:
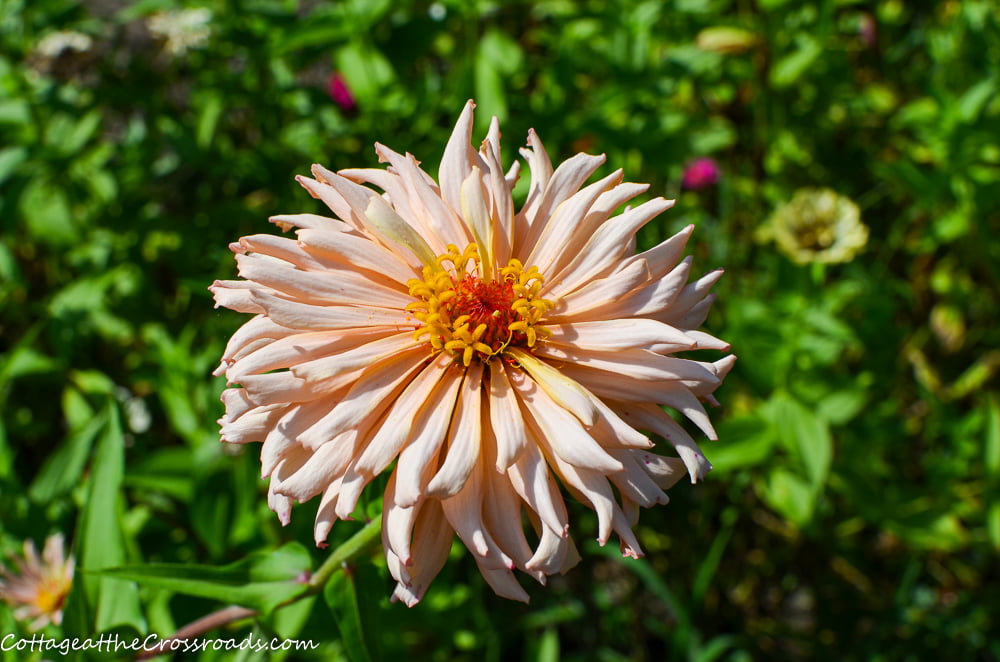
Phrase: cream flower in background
(484, 355)
(816, 225)
(181, 30)
(37, 587)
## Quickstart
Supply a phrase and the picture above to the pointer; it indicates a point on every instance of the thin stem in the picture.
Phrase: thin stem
(340, 556)
(199, 627)
(354, 546)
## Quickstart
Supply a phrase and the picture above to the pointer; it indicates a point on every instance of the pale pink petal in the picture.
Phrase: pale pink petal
(430, 426)
(568, 438)
(654, 419)
(464, 438)
(309, 317)
(458, 159)
(351, 249)
(506, 420)
(564, 182)
(325, 287)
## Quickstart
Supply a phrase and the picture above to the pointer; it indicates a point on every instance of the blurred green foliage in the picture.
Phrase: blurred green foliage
(855, 508)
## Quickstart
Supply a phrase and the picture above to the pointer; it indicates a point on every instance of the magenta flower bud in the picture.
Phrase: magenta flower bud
(701, 173)
(340, 93)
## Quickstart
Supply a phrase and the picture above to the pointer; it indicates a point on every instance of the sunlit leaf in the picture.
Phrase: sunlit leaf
(261, 581)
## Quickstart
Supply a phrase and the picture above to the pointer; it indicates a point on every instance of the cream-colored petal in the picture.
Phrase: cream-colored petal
(656, 297)
(387, 223)
(652, 418)
(419, 452)
(284, 249)
(235, 295)
(303, 347)
(375, 390)
(305, 316)
(353, 250)
(504, 584)
(325, 515)
(458, 159)
(506, 420)
(634, 363)
(541, 171)
(500, 202)
(463, 453)
(664, 256)
(562, 430)
(587, 302)
(476, 215)
(429, 541)
(311, 221)
(502, 516)
(249, 336)
(425, 393)
(605, 248)
(425, 197)
(329, 287)
(566, 232)
(637, 483)
(355, 358)
(566, 180)
(695, 294)
(564, 391)
(326, 464)
(237, 403)
(706, 341)
(530, 478)
(250, 427)
(613, 334)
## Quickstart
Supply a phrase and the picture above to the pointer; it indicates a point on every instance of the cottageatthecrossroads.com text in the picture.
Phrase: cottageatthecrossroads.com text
(151, 644)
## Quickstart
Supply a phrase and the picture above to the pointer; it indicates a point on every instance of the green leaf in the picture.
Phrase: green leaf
(366, 70)
(743, 442)
(208, 119)
(63, 469)
(931, 530)
(791, 67)
(352, 610)
(548, 647)
(789, 495)
(263, 580)
(975, 98)
(6, 454)
(11, 159)
(806, 435)
(993, 524)
(47, 214)
(991, 461)
(100, 534)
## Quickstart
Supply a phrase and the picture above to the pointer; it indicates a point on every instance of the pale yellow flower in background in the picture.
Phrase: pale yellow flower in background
(181, 30)
(484, 355)
(37, 587)
(816, 225)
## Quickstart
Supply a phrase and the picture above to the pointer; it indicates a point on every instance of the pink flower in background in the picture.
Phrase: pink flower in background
(701, 173)
(37, 587)
(337, 88)
(482, 355)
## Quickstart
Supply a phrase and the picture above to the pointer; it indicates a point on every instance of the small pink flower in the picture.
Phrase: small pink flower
(701, 173)
(37, 587)
(340, 93)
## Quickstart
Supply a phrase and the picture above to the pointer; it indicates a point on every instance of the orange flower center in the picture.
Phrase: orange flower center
(468, 317)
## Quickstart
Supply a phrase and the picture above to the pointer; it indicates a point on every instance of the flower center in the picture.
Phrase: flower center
(468, 317)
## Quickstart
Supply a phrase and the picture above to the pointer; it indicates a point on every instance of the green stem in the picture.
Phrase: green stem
(354, 545)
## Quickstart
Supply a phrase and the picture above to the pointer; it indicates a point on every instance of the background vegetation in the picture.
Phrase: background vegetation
(853, 513)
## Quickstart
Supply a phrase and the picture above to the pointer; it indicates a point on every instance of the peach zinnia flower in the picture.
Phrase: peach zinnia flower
(488, 354)
(37, 587)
